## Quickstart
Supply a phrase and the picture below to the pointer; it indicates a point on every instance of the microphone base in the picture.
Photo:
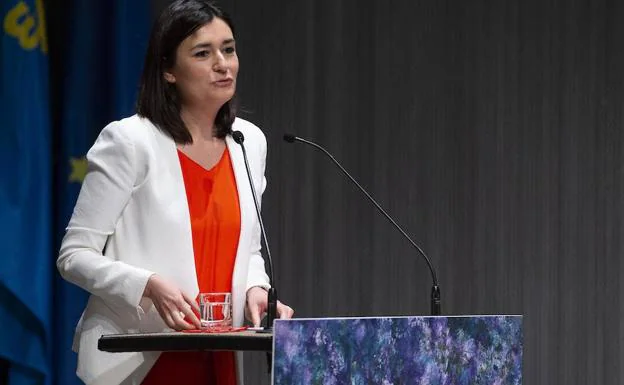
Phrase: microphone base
(271, 316)
(436, 300)
(271, 308)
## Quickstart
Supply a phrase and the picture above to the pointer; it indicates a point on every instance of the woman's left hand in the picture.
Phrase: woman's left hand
(257, 303)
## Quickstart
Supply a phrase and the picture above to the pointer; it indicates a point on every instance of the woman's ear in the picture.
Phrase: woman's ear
(169, 77)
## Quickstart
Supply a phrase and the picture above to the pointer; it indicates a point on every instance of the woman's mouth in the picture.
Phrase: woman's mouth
(224, 82)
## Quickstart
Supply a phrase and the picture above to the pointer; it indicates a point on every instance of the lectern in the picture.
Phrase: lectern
(366, 350)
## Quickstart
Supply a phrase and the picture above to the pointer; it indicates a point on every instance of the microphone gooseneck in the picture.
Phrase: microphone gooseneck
(436, 301)
(272, 294)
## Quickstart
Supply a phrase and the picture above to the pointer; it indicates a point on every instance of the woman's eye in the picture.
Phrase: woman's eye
(201, 54)
(229, 50)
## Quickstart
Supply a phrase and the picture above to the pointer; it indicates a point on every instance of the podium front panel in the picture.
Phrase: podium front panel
(399, 350)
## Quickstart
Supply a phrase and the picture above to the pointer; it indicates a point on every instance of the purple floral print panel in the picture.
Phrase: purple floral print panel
(458, 350)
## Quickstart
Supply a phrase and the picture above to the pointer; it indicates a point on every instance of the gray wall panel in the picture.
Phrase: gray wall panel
(491, 130)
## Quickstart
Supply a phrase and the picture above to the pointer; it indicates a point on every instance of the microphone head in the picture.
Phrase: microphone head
(238, 137)
(289, 138)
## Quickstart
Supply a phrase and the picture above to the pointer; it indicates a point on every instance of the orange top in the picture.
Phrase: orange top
(215, 224)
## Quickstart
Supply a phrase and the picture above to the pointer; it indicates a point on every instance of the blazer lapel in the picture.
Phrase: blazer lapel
(242, 184)
(173, 181)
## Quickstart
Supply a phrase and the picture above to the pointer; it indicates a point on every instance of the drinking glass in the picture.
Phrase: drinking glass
(215, 309)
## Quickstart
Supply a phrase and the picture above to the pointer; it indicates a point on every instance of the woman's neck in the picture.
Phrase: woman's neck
(200, 121)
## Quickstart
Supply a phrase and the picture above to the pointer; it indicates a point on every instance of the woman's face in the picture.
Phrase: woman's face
(206, 66)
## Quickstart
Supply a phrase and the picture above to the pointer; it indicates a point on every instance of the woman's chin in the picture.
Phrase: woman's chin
(220, 97)
(213, 101)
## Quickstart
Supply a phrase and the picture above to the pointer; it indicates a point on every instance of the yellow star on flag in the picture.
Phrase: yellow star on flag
(79, 169)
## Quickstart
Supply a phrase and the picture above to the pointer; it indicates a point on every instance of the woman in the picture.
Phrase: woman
(166, 210)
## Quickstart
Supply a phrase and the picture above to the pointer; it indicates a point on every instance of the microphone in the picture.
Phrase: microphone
(272, 294)
(436, 302)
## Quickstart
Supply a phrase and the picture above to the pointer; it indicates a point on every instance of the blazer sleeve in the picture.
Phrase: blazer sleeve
(257, 275)
(107, 188)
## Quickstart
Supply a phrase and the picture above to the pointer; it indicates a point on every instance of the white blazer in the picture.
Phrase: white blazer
(132, 220)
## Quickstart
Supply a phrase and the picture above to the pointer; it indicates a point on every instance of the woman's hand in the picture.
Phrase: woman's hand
(257, 303)
(172, 304)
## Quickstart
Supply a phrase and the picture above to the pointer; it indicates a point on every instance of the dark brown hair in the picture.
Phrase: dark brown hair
(158, 100)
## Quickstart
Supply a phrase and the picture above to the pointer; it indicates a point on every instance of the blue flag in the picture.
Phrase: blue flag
(105, 47)
(25, 193)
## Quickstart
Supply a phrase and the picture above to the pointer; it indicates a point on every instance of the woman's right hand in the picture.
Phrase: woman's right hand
(172, 304)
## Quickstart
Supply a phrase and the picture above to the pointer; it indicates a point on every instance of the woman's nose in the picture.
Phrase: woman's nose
(220, 64)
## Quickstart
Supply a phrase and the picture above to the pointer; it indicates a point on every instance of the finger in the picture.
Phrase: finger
(185, 309)
(164, 315)
(168, 320)
(191, 302)
(181, 324)
(255, 315)
(247, 313)
(284, 311)
(173, 313)
(191, 316)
